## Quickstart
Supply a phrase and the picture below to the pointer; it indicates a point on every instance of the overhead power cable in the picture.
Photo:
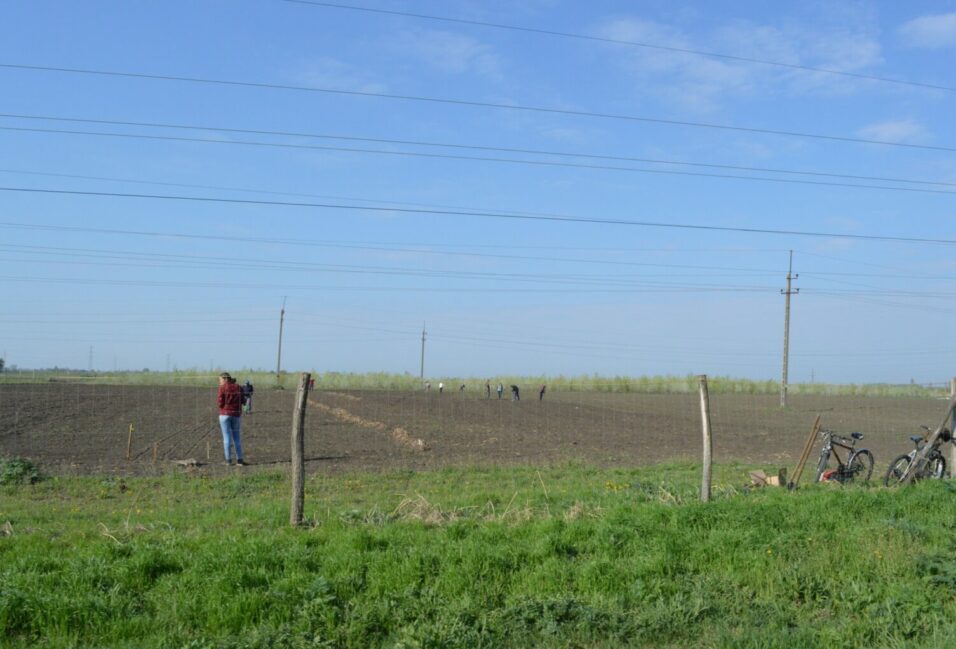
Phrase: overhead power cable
(618, 41)
(455, 145)
(386, 289)
(425, 247)
(446, 156)
(275, 264)
(495, 215)
(466, 102)
(196, 261)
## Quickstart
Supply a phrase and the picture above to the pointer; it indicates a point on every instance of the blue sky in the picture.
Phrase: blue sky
(613, 135)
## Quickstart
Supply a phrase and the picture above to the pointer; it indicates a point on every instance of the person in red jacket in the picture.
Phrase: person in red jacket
(231, 400)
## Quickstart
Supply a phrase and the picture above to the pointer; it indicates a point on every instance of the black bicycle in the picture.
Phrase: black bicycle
(858, 465)
(935, 466)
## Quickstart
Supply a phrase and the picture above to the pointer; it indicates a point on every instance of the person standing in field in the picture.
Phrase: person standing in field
(515, 393)
(541, 392)
(230, 400)
(247, 391)
(500, 389)
(441, 387)
(487, 389)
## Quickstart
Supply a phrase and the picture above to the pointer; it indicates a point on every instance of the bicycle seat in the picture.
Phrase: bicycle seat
(916, 438)
(856, 436)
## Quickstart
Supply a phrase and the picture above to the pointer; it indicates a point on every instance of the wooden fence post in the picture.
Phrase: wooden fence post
(708, 445)
(129, 441)
(952, 429)
(298, 450)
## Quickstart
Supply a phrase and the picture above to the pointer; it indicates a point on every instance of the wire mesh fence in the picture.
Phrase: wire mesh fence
(89, 425)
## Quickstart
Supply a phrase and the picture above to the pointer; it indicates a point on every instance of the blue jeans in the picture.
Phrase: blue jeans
(230, 435)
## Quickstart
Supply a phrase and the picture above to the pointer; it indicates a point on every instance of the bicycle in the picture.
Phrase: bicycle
(858, 465)
(935, 466)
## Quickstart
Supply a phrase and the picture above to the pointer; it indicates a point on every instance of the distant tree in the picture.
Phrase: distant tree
(3, 364)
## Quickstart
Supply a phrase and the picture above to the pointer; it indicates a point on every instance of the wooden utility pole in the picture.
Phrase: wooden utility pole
(786, 331)
(422, 371)
(708, 442)
(298, 450)
(279, 356)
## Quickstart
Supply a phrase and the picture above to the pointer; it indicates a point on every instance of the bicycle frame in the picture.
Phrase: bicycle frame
(831, 444)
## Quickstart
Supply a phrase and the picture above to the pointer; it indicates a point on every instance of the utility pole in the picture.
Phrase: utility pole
(422, 372)
(279, 355)
(786, 331)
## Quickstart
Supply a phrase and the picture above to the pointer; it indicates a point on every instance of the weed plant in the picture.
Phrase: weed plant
(566, 556)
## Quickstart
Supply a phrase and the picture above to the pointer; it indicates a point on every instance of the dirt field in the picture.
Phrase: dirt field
(70, 428)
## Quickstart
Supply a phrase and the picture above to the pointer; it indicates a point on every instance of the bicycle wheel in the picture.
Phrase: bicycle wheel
(936, 466)
(859, 467)
(896, 471)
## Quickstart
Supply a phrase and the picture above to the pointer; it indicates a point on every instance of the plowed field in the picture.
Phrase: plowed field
(70, 428)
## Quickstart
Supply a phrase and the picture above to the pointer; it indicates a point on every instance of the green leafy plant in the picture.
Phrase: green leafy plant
(18, 471)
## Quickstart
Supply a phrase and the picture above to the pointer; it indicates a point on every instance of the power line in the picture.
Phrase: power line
(497, 215)
(272, 264)
(268, 264)
(616, 41)
(379, 246)
(453, 145)
(396, 289)
(473, 103)
(195, 261)
(446, 156)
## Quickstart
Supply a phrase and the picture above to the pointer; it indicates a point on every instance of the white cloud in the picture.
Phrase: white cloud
(333, 73)
(703, 83)
(899, 130)
(933, 32)
(453, 53)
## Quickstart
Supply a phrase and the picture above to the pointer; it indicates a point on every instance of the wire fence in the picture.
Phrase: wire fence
(87, 426)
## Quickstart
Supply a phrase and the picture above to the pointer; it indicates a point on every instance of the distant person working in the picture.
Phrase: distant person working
(230, 401)
(247, 391)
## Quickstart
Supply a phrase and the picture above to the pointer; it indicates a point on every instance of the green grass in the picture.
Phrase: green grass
(566, 556)
(388, 381)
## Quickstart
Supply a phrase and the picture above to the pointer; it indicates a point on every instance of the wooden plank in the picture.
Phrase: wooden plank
(798, 471)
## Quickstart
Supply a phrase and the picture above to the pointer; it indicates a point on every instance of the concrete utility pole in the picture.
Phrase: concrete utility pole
(279, 355)
(786, 331)
(422, 371)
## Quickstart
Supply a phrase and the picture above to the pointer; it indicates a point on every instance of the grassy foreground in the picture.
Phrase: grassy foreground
(560, 557)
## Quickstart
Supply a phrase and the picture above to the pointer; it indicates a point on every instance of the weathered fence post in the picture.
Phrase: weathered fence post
(952, 429)
(915, 467)
(298, 450)
(708, 445)
(129, 441)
